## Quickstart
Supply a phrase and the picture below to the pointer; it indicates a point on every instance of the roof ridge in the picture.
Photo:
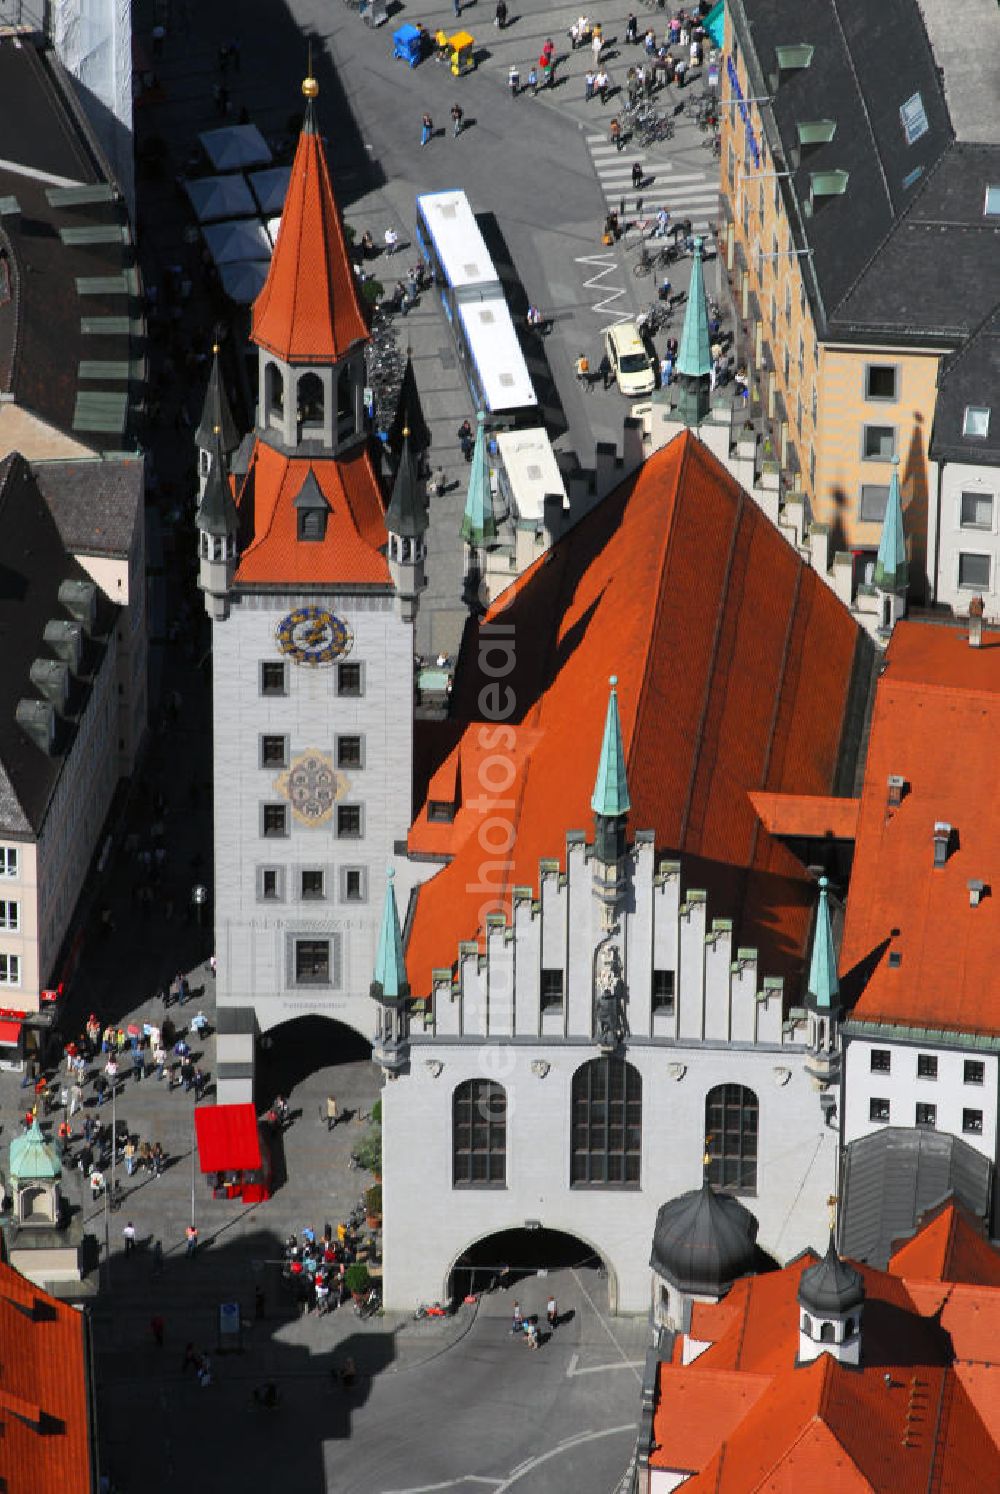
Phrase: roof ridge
(897, 221)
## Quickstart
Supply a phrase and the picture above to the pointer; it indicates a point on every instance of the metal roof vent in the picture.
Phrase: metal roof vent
(942, 842)
(976, 610)
(50, 678)
(80, 600)
(977, 891)
(65, 639)
(37, 719)
(895, 790)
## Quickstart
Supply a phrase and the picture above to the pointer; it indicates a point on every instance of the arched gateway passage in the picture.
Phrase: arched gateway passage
(525, 1252)
(289, 1054)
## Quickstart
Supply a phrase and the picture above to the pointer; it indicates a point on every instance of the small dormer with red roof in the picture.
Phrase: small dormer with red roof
(308, 321)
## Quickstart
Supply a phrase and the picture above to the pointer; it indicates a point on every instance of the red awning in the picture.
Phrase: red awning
(227, 1138)
(10, 1034)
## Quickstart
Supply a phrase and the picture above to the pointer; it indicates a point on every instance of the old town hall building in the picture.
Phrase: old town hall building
(601, 971)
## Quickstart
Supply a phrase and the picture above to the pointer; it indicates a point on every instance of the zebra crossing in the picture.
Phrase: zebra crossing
(685, 194)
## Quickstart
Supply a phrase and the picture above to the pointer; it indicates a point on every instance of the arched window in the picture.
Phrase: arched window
(731, 1132)
(479, 1135)
(275, 388)
(311, 399)
(807, 1326)
(607, 1124)
(827, 1334)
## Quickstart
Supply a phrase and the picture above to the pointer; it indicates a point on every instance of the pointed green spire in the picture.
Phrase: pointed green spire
(891, 569)
(610, 797)
(390, 962)
(479, 527)
(694, 355)
(824, 988)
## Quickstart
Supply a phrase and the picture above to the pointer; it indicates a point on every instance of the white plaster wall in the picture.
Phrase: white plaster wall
(251, 935)
(796, 1168)
(903, 1090)
(22, 889)
(956, 478)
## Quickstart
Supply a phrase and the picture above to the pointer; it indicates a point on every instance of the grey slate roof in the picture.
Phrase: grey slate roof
(63, 282)
(96, 504)
(831, 1286)
(970, 377)
(34, 564)
(703, 1241)
(906, 247)
(407, 512)
(216, 412)
(895, 1175)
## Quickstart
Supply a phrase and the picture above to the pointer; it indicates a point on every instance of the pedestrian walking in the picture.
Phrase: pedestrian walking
(426, 129)
(391, 238)
(500, 15)
(75, 1098)
(604, 371)
(157, 1258)
(631, 29)
(332, 1113)
(457, 7)
(602, 83)
(138, 1065)
(589, 79)
(190, 1359)
(596, 44)
(637, 175)
(514, 81)
(156, 1327)
(457, 116)
(129, 1234)
(157, 1160)
(191, 1241)
(551, 1313)
(131, 1154)
(517, 1321)
(532, 83)
(583, 371)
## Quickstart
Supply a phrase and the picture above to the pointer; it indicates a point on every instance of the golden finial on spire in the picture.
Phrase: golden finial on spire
(215, 347)
(406, 432)
(310, 87)
(831, 1204)
(706, 1159)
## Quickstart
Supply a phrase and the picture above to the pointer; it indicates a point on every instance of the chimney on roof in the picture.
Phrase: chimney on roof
(976, 622)
(896, 788)
(80, 600)
(977, 891)
(942, 842)
(37, 719)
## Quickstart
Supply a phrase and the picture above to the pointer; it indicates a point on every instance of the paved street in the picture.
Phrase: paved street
(453, 1404)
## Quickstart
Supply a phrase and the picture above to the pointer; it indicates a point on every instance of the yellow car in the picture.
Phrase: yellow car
(630, 362)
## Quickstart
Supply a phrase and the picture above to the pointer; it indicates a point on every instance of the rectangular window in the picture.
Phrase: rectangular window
(974, 1071)
(788, 367)
(312, 884)
(880, 381)
(874, 498)
(974, 572)
(10, 970)
(927, 1066)
(273, 678)
(552, 990)
(972, 1122)
(269, 884)
(663, 990)
(312, 962)
(926, 1115)
(349, 683)
(991, 207)
(274, 752)
(274, 820)
(10, 916)
(881, 1061)
(353, 888)
(976, 421)
(349, 752)
(878, 443)
(8, 861)
(349, 821)
(977, 511)
(878, 1109)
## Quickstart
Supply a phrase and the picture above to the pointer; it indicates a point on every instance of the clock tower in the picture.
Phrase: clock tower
(312, 658)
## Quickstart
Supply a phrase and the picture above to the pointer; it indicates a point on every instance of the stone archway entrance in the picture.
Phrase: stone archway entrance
(292, 1051)
(527, 1252)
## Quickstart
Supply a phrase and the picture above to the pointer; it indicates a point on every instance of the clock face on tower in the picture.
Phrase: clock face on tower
(311, 635)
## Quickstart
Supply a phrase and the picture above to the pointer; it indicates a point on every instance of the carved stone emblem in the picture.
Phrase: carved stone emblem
(540, 1067)
(781, 1076)
(677, 1070)
(434, 1067)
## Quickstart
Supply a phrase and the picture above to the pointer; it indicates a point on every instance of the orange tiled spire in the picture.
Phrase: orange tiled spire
(309, 310)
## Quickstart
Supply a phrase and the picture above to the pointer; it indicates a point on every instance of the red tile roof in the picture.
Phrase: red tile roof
(949, 1246)
(45, 1430)
(921, 1412)
(309, 310)
(734, 663)
(814, 815)
(936, 723)
(352, 551)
